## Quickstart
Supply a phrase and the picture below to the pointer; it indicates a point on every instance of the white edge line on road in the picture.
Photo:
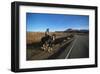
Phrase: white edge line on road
(71, 49)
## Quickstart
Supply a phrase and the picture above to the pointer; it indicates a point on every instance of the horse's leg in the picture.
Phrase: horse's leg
(50, 47)
(43, 47)
(46, 46)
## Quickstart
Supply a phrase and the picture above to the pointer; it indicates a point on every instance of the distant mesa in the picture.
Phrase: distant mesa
(77, 31)
(74, 31)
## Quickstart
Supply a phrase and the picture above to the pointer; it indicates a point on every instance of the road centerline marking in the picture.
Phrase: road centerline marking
(71, 48)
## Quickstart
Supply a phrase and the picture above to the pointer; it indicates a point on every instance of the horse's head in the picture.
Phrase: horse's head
(53, 36)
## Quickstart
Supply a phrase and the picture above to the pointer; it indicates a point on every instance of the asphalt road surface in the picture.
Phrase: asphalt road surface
(78, 48)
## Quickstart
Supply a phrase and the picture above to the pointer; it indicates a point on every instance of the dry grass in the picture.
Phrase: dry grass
(33, 37)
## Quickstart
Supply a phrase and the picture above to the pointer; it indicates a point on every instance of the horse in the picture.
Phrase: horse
(48, 42)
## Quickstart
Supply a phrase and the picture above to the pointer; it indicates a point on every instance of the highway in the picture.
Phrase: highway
(75, 47)
(78, 48)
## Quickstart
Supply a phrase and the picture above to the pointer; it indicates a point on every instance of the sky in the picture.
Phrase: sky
(39, 22)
